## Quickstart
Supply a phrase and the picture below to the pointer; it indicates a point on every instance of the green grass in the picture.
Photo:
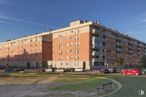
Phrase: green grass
(72, 78)
(86, 85)
(130, 86)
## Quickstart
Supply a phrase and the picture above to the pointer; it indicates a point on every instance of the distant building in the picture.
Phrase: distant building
(84, 44)
(32, 51)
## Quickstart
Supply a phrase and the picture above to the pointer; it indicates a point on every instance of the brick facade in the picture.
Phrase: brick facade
(84, 44)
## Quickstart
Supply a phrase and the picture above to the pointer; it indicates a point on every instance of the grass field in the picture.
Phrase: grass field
(73, 85)
(86, 85)
(130, 86)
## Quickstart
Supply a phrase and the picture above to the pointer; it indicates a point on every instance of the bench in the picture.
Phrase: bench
(105, 87)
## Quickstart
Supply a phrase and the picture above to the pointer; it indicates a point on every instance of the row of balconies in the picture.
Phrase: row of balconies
(96, 32)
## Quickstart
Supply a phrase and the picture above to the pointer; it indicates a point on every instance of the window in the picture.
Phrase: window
(71, 44)
(71, 51)
(103, 44)
(77, 51)
(60, 52)
(30, 40)
(67, 44)
(71, 57)
(67, 51)
(78, 57)
(77, 37)
(67, 57)
(104, 37)
(78, 44)
(72, 31)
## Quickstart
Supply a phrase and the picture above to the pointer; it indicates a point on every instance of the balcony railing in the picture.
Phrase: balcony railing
(94, 53)
(95, 31)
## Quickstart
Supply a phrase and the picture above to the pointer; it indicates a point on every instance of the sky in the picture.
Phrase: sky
(19, 18)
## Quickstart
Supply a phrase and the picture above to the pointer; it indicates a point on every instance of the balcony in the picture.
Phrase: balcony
(95, 59)
(95, 46)
(95, 39)
(94, 53)
(95, 31)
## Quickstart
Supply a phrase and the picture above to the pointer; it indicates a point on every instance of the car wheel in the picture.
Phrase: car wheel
(124, 73)
(136, 74)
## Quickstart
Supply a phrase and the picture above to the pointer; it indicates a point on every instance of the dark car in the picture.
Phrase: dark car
(112, 69)
(13, 69)
(108, 70)
(9, 70)
(105, 70)
(18, 69)
(2, 66)
(69, 69)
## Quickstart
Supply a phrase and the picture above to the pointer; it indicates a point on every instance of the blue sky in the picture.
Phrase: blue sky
(25, 17)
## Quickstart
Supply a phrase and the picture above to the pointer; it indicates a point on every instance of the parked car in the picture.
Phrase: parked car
(143, 70)
(78, 69)
(18, 69)
(9, 70)
(2, 66)
(98, 67)
(59, 70)
(112, 69)
(131, 71)
(69, 69)
(104, 70)
(48, 70)
(53, 69)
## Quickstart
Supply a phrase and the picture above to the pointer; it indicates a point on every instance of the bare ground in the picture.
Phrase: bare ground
(37, 87)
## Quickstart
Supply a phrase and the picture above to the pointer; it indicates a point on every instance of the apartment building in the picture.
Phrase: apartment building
(29, 52)
(83, 44)
(86, 44)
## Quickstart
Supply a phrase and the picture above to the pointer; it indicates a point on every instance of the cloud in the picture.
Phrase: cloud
(138, 21)
(144, 21)
(6, 18)
(6, 22)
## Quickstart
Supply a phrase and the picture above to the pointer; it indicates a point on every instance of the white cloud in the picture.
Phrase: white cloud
(144, 21)
(6, 22)
(11, 19)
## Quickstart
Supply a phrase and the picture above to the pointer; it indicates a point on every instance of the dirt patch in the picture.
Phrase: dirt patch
(26, 80)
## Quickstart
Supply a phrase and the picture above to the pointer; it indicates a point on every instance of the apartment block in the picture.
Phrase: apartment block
(29, 52)
(83, 45)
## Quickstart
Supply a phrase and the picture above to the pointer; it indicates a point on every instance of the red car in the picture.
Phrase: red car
(134, 71)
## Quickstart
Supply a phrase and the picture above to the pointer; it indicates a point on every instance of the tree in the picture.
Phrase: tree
(119, 61)
(143, 61)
